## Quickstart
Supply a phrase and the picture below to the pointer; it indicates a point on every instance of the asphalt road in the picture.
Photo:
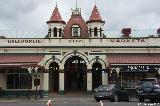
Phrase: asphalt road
(78, 102)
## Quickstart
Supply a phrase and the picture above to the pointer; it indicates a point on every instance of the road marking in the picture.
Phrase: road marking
(65, 102)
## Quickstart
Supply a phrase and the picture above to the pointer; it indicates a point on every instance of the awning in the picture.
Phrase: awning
(19, 60)
(133, 58)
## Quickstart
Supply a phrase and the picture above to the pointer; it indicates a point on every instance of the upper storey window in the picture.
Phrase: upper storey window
(75, 30)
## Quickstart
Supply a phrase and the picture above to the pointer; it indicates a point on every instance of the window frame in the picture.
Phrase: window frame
(76, 33)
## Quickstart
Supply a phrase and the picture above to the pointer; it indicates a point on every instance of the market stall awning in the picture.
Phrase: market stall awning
(133, 58)
(19, 60)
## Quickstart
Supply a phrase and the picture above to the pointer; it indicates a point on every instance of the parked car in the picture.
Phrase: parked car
(111, 92)
(148, 89)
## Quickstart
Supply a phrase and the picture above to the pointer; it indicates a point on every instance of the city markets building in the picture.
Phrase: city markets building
(76, 56)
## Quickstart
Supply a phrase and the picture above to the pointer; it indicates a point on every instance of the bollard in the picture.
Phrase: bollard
(101, 103)
(49, 103)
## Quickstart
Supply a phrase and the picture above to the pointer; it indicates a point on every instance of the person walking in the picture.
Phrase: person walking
(49, 103)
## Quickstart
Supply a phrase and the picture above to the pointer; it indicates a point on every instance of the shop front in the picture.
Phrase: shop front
(21, 75)
(128, 69)
(129, 75)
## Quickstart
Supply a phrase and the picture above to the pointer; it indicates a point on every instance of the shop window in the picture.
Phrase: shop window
(18, 80)
(75, 30)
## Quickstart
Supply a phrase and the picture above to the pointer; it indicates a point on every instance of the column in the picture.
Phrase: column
(61, 82)
(45, 84)
(104, 77)
(89, 81)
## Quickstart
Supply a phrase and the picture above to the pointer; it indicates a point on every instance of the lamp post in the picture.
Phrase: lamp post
(118, 70)
(158, 70)
(29, 72)
(36, 69)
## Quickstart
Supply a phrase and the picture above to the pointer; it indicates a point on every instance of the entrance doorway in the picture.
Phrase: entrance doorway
(96, 74)
(75, 74)
(53, 77)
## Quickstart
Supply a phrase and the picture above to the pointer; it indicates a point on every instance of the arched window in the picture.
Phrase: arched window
(75, 30)
(95, 31)
(49, 32)
(60, 32)
(100, 32)
(90, 32)
(55, 32)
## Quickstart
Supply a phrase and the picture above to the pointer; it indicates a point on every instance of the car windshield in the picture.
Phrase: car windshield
(107, 86)
(146, 80)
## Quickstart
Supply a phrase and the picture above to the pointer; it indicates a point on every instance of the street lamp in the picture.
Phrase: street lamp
(118, 70)
(29, 72)
(36, 69)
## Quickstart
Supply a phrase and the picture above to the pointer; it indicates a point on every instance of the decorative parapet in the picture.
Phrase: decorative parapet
(97, 42)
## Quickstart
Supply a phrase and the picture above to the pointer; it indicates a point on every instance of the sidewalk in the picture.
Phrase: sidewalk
(53, 97)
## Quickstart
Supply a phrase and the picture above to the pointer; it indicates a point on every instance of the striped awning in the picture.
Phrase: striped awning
(133, 58)
(19, 60)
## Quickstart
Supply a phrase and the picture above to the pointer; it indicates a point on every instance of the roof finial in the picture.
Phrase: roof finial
(76, 4)
(95, 3)
(56, 4)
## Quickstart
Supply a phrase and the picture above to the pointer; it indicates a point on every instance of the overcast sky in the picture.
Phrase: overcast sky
(33, 14)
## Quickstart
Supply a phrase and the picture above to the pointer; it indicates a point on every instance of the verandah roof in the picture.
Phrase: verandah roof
(133, 58)
(20, 60)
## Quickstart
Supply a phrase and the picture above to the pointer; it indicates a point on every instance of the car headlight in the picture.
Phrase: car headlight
(95, 90)
(139, 91)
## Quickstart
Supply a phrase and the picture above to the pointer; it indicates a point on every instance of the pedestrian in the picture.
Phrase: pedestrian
(101, 103)
(49, 103)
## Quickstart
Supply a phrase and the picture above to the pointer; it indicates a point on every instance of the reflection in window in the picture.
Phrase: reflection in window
(18, 80)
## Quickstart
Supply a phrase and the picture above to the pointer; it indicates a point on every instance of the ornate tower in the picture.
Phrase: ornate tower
(55, 25)
(76, 26)
(95, 24)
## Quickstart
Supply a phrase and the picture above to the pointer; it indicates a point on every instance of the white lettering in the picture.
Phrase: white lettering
(128, 40)
(25, 41)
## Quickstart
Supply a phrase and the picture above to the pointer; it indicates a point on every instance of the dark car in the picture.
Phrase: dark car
(111, 92)
(148, 89)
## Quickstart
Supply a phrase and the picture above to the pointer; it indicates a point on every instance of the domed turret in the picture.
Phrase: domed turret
(76, 26)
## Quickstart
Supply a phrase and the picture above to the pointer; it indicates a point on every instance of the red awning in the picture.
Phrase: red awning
(19, 61)
(133, 58)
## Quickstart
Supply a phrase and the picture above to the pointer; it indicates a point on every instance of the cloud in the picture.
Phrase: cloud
(33, 14)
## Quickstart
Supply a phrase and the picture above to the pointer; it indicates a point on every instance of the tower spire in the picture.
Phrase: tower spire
(56, 17)
(95, 16)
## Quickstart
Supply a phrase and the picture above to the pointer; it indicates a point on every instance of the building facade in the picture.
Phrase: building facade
(75, 56)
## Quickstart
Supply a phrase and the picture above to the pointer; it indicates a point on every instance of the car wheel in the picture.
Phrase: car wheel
(97, 100)
(115, 99)
(141, 99)
(153, 100)
(147, 87)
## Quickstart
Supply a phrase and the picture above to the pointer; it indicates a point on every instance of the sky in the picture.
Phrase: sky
(33, 14)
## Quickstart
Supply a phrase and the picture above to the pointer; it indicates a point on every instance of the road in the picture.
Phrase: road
(77, 102)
